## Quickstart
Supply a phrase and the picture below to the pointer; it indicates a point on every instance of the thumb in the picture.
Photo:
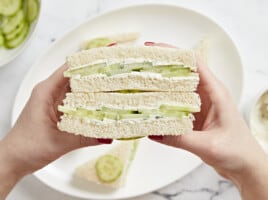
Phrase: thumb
(195, 142)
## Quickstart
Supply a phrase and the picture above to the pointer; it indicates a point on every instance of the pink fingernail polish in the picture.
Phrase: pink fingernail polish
(105, 141)
(156, 137)
(149, 43)
(112, 44)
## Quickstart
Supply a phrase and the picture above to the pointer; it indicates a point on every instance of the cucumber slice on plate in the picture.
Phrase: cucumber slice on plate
(32, 10)
(19, 39)
(109, 168)
(9, 7)
(1, 39)
(16, 32)
(12, 22)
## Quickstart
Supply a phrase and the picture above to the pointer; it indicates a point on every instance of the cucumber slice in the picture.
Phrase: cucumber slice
(32, 10)
(169, 108)
(12, 22)
(115, 110)
(85, 71)
(112, 69)
(16, 32)
(132, 138)
(93, 114)
(128, 91)
(19, 39)
(98, 42)
(9, 7)
(111, 115)
(177, 72)
(1, 39)
(109, 168)
(134, 116)
(66, 110)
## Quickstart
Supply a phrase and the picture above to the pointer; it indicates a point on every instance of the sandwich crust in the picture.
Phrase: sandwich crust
(125, 128)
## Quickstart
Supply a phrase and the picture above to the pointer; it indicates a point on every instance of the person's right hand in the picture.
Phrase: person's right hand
(221, 137)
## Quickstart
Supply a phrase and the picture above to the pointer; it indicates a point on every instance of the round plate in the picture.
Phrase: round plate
(155, 165)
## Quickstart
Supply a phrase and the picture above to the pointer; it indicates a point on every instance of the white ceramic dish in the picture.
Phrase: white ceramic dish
(155, 165)
(259, 128)
(7, 55)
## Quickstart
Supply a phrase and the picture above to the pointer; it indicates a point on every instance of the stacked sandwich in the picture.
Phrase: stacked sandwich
(130, 91)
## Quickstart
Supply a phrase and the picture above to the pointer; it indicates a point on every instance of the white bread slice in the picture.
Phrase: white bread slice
(123, 151)
(133, 81)
(121, 53)
(127, 128)
(120, 38)
(145, 100)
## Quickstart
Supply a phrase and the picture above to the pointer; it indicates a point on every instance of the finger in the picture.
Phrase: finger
(88, 141)
(159, 45)
(105, 141)
(57, 80)
(207, 78)
(214, 87)
(59, 98)
(71, 141)
(112, 44)
(195, 142)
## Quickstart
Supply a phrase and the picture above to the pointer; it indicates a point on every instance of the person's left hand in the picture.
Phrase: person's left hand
(35, 140)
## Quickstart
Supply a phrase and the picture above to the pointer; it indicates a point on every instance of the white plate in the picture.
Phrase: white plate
(156, 165)
(7, 55)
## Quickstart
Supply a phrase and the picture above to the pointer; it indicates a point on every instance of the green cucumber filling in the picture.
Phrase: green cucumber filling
(119, 114)
(113, 69)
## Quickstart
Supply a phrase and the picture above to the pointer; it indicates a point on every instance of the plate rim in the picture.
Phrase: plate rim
(111, 11)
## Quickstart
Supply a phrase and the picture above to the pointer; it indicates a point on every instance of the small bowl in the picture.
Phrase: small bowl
(8, 55)
(259, 125)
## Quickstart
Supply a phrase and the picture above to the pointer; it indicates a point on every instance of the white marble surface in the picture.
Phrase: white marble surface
(245, 20)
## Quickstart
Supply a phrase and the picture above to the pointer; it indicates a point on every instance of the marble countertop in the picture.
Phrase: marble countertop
(245, 20)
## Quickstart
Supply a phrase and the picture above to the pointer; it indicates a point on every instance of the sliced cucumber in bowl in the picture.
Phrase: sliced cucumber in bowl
(32, 10)
(1, 39)
(16, 32)
(12, 22)
(19, 39)
(9, 7)
(16, 17)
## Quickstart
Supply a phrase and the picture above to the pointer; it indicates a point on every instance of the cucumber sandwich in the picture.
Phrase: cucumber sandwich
(123, 92)
(111, 168)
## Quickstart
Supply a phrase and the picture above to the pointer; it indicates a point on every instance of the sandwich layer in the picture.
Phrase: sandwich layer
(190, 101)
(119, 54)
(125, 128)
(164, 70)
(133, 81)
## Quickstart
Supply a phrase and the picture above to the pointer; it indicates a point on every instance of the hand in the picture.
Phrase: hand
(221, 138)
(35, 140)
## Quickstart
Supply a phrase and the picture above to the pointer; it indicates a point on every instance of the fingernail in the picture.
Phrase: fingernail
(156, 137)
(105, 141)
(112, 44)
(149, 43)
